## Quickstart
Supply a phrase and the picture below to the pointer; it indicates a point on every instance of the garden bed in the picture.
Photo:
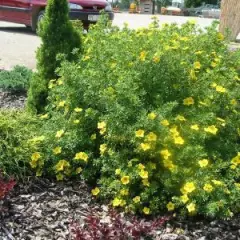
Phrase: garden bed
(12, 100)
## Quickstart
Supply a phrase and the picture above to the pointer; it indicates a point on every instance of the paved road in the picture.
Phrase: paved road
(18, 44)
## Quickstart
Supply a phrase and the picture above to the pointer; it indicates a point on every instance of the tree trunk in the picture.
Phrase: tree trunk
(230, 18)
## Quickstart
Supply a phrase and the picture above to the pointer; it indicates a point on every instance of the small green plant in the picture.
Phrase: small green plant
(16, 80)
(58, 37)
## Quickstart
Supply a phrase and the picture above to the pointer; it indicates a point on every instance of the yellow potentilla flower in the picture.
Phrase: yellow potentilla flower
(116, 202)
(217, 182)
(233, 102)
(174, 131)
(35, 156)
(213, 64)
(59, 177)
(194, 127)
(220, 36)
(208, 187)
(165, 153)
(156, 59)
(78, 170)
(61, 165)
(86, 58)
(152, 116)
(59, 133)
(193, 74)
(76, 121)
(102, 131)
(61, 104)
(60, 82)
(188, 101)
(191, 207)
(197, 65)
(214, 85)
(145, 146)
(180, 118)
(143, 174)
(146, 210)
(123, 203)
(165, 122)
(103, 148)
(81, 156)
(236, 160)
(145, 182)
(141, 166)
(170, 206)
(136, 199)
(184, 198)
(45, 116)
(169, 165)
(139, 133)
(33, 163)
(125, 180)
(178, 140)
(220, 89)
(211, 129)
(95, 191)
(78, 110)
(124, 192)
(143, 55)
(57, 150)
(101, 125)
(151, 137)
(203, 163)
(189, 187)
(117, 171)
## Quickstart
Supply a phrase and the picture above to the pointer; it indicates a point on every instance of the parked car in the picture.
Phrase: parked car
(211, 13)
(199, 10)
(30, 12)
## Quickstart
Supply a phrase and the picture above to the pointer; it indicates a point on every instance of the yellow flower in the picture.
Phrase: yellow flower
(169, 164)
(124, 192)
(211, 129)
(60, 82)
(95, 191)
(76, 121)
(189, 187)
(146, 210)
(213, 64)
(78, 110)
(141, 166)
(139, 133)
(143, 174)
(156, 59)
(233, 102)
(103, 148)
(102, 131)
(165, 153)
(86, 58)
(208, 187)
(137, 199)
(220, 36)
(174, 131)
(145, 182)
(145, 146)
(194, 127)
(61, 165)
(57, 150)
(170, 206)
(188, 101)
(151, 137)
(203, 163)
(165, 122)
(125, 180)
(123, 203)
(220, 89)
(81, 156)
(118, 171)
(180, 118)
(61, 104)
(143, 56)
(59, 177)
(236, 160)
(197, 65)
(78, 170)
(178, 140)
(33, 163)
(93, 136)
(116, 202)
(193, 74)
(191, 207)
(59, 133)
(45, 116)
(184, 198)
(35, 156)
(101, 125)
(152, 116)
(217, 182)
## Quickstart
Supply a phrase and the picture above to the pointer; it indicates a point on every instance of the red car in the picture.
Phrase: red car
(30, 12)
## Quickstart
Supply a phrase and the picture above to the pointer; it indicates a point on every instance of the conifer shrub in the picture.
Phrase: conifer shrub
(151, 117)
(58, 37)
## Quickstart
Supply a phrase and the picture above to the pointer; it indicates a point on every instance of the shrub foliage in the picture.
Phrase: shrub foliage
(152, 117)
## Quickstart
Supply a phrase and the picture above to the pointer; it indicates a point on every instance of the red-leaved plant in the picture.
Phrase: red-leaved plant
(116, 227)
(5, 186)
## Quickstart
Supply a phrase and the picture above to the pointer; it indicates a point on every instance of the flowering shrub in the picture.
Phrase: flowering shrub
(151, 116)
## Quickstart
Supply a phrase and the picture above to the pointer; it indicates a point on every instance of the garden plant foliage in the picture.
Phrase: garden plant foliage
(151, 117)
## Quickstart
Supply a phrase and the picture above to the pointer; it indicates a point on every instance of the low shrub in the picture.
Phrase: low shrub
(16, 80)
(151, 116)
(5, 186)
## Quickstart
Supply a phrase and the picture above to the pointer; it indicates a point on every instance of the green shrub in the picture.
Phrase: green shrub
(58, 37)
(18, 138)
(16, 80)
(152, 115)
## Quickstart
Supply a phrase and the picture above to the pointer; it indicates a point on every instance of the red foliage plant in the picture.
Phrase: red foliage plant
(5, 186)
(116, 227)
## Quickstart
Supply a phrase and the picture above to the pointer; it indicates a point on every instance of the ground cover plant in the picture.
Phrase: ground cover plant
(150, 117)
